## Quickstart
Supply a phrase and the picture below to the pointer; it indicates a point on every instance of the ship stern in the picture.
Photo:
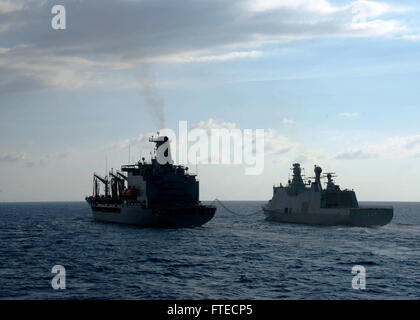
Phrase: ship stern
(368, 217)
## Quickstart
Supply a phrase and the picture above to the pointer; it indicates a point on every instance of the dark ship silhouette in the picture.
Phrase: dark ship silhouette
(152, 194)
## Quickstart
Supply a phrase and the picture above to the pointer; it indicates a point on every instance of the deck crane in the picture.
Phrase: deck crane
(105, 181)
(117, 185)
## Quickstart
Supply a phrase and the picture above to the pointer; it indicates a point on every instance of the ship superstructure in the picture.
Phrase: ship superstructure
(155, 193)
(308, 202)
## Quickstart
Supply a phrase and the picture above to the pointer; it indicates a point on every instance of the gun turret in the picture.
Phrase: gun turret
(330, 183)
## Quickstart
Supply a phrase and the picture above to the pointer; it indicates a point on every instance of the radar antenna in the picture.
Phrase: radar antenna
(330, 183)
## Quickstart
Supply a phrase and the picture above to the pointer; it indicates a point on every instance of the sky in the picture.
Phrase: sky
(332, 83)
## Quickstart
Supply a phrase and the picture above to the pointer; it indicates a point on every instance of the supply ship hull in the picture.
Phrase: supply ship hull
(136, 214)
(150, 194)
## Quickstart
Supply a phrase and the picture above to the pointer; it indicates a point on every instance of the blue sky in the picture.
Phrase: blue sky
(338, 93)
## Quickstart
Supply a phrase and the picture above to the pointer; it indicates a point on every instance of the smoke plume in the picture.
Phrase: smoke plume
(155, 103)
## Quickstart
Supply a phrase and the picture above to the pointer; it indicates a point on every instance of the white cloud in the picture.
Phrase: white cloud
(213, 124)
(282, 148)
(12, 157)
(413, 37)
(277, 145)
(288, 121)
(197, 57)
(7, 6)
(321, 6)
(392, 148)
(355, 155)
(349, 114)
(140, 142)
(154, 31)
(376, 28)
(23, 67)
(32, 161)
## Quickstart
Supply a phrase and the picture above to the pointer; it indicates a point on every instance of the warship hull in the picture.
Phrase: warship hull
(163, 217)
(358, 217)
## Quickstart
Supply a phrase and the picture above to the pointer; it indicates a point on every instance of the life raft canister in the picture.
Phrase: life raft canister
(130, 194)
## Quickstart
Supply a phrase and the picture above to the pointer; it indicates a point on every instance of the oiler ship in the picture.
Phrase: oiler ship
(151, 194)
(309, 203)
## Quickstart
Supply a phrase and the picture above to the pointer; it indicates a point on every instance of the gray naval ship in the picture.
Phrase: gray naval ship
(308, 203)
(150, 194)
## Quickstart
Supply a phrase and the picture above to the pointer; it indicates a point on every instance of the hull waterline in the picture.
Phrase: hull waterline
(137, 215)
(360, 217)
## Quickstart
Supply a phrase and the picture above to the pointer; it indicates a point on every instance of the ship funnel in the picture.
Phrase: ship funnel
(318, 171)
(162, 150)
(158, 139)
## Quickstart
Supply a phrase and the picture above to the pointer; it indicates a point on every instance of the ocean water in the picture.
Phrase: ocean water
(231, 257)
